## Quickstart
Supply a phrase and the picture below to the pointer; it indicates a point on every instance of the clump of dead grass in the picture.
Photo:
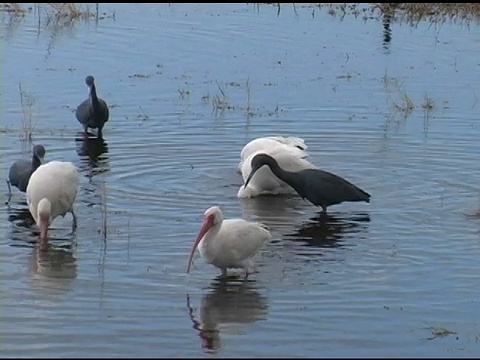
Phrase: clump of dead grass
(400, 12)
(27, 101)
(14, 8)
(64, 11)
(70, 11)
(415, 12)
(401, 102)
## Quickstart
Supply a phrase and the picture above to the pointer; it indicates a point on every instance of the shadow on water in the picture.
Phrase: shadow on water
(328, 230)
(20, 216)
(53, 268)
(228, 307)
(24, 232)
(93, 153)
(285, 214)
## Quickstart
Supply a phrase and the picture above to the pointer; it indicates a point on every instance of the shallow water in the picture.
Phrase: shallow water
(396, 277)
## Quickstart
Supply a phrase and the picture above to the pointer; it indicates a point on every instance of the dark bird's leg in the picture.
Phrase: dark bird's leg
(9, 192)
(323, 217)
(74, 226)
(85, 128)
(99, 133)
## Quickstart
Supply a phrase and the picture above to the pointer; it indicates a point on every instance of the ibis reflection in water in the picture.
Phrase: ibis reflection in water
(227, 307)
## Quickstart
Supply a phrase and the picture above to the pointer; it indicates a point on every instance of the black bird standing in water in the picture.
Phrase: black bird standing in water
(93, 112)
(319, 187)
(21, 170)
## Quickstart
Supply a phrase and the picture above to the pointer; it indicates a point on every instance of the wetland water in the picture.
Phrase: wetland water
(188, 86)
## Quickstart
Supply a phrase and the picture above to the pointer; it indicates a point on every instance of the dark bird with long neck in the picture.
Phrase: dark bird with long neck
(93, 112)
(320, 187)
(21, 170)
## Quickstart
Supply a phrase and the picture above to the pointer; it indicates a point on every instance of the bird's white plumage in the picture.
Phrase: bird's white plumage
(231, 243)
(264, 181)
(56, 181)
(271, 143)
(236, 241)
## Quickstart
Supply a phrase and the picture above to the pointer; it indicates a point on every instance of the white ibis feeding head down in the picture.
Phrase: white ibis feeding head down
(51, 192)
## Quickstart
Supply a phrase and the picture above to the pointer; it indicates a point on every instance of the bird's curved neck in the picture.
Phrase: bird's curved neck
(35, 162)
(284, 175)
(93, 96)
(210, 236)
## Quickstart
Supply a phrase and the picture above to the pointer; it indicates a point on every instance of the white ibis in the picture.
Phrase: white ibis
(51, 192)
(264, 181)
(93, 112)
(320, 187)
(230, 243)
(270, 143)
(21, 170)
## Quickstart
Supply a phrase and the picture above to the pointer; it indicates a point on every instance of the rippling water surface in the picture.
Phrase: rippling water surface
(188, 87)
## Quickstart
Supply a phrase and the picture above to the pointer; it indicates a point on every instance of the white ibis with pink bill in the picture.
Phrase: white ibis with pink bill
(51, 192)
(229, 243)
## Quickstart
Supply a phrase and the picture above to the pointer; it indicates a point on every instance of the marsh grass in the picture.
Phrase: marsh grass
(428, 104)
(13, 8)
(433, 12)
(184, 93)
(27, 101)
(400, 12)
(65, 11)
(400, 101)
(54, 17)
(249, 95)
(220, 101)
(143, 116)
(405, 105)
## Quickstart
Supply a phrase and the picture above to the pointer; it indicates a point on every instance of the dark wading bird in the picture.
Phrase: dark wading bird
(320, 187)
(21, 171)
(93, 112)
